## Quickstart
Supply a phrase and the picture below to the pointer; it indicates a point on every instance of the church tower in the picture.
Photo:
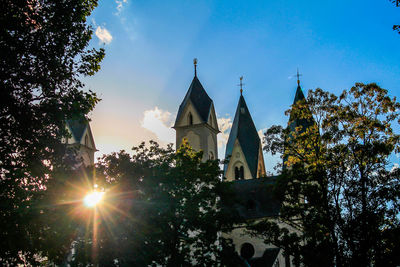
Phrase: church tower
(299, 124)
(196, 120)
(243, 150)
(81, 141)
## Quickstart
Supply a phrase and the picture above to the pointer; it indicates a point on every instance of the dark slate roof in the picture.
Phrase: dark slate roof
(299, 122)
(245, 131)
(299, 95)
(254, 198)
(201, 101)
(267, 260)
(78, 127)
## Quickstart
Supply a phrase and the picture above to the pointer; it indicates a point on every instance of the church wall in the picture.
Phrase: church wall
(261, 165)
(211, 141)
(183, 121)
(193, 139)
(212, 120)
(87, 155)
(239, 237)
(84, 148)
(237, 159)
(200, 137)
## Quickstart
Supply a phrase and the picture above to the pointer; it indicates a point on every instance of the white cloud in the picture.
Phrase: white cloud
(159, 122)
(224, 125)
(103, 34)
(120, 5)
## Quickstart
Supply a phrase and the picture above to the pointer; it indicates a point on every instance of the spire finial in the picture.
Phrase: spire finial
(241, 85)
(298, 77)
(195, 66)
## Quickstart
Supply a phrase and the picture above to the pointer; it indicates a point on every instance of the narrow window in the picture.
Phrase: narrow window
(190, 119)
(211, 156)
(236, 173)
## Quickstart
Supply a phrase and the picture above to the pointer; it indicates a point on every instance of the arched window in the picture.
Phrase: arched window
(211, 155)
(247, 251)
(239, 173)
(190, 119)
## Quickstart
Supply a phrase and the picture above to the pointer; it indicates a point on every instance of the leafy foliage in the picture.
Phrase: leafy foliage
(162, 208)
(339, 191)
(396, 27)
(43, 55)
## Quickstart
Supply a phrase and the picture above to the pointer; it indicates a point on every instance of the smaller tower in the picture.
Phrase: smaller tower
(244, 155)
(196, 120)
(81, 141)
(295, 121)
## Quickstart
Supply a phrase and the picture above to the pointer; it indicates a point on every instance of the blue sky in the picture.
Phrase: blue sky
(150, 46)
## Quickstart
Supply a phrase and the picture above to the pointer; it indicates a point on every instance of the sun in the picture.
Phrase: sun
(93, 199)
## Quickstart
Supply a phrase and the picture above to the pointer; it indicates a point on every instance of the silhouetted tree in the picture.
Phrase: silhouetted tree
(161, 208)
(44, 53)
(339, 189)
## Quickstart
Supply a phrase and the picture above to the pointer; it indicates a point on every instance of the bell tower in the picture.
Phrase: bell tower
(81, 143)
(196, 120)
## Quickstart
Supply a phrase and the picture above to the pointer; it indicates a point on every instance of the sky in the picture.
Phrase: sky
(150, 46)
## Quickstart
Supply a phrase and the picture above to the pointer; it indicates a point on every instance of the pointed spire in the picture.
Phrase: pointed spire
(195, 66)
(298, 77)
(244, 130)
(241, 85)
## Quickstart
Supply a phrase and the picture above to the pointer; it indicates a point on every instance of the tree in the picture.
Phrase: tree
(338, 188)
(161, 207)
(44, 54)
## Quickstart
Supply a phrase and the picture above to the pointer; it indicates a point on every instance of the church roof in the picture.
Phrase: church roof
(254, 198)
(299, 95)
(199, 98)
(78, 127)
(245, 131)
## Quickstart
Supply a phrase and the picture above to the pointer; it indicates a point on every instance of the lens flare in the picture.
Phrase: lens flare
(93, 199)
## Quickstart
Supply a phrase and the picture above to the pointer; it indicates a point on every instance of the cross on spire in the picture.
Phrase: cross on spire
(298, 77)
(241, 85)
(195, 66)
